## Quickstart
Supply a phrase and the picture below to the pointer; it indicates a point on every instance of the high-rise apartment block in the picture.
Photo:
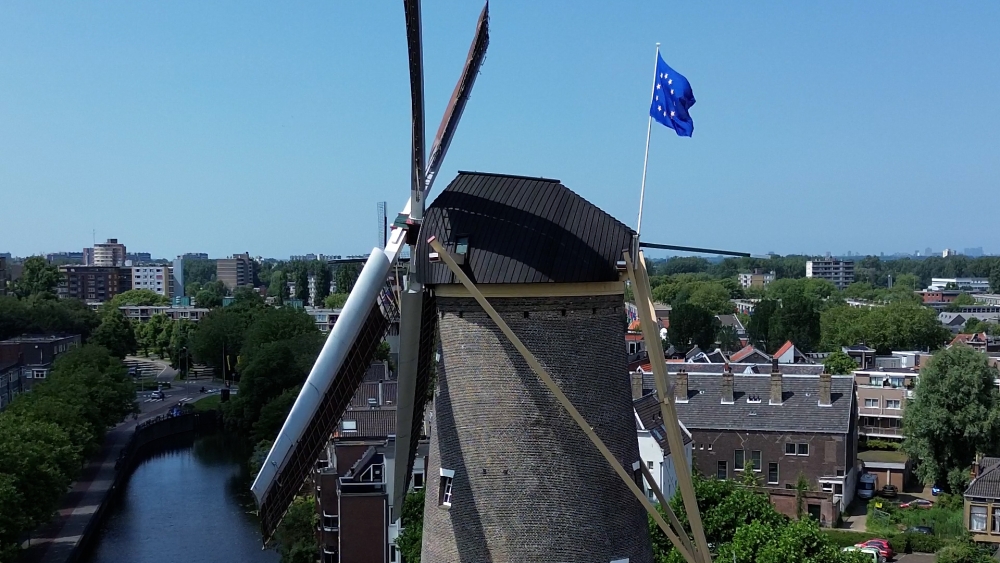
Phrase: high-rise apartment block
(110, 253)
(94, 283)
(758, 278)
(235, 271)
(157, 279)
(840, 272)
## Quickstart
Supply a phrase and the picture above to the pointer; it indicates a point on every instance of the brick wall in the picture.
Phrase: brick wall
(529, 486)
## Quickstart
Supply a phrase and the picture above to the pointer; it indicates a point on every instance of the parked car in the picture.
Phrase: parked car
(157, 395)
(935, 490)
(889, 491)
(876, 557)
(920, 530)
(917, 503)
(883, 547)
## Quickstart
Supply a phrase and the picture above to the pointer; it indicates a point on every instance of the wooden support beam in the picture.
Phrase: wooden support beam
(654, 347)
(562, 398)
(666, 506)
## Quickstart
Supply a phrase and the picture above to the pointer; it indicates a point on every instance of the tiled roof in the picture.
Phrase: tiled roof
(964, 338)
(987, 485)
(521, 230)
(370, 423)
(648, 410)
(746, 352)
(649, 383)
(786, 347)
(630, 337)
(386, 396)
(799, 411)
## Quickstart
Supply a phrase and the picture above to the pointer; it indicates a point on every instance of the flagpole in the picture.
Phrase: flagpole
(645, 159)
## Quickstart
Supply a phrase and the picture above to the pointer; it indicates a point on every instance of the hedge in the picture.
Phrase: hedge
(901, 543)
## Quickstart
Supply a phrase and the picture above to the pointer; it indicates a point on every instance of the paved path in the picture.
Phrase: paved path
(54, 542)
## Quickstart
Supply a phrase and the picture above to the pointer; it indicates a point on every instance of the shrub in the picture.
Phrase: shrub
(884, 445)
(845, 538)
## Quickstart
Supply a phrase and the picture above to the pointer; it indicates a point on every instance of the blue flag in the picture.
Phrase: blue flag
(672, 97)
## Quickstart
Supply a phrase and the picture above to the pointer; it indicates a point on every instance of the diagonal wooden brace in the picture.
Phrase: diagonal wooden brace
(668, 411)
(446, 257)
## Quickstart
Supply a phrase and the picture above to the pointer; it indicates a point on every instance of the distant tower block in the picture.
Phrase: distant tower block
(511, 477)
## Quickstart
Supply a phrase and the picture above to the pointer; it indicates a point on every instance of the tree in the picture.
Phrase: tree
(346, 275)
(995, 279)
(409, 540)
(728, 340)
(37, 278)
(115, 333)
(208, 299)
(199, 271)
(278, 287)
(712, 296)
(961, 300)
(759, 327)
(964, 552)
(180, 353)
(691, 325)
(323, 279)
(842, 326)
(335, 300)
(273, 415)
(219, 337)
(797, 320)
(296, 534)
(953, 416)
(839, 363)
(974, 325)
(302, 284)
(154, 334)
(143, 297)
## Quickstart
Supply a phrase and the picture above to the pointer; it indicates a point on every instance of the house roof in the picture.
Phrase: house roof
(799, 411)
(648, 410)
(730, 320)
(521, 230)
(974, 338)
(371, 423)
(987, 485)
(633, 337)
(749, 354)
(635, 325)
(786, 347)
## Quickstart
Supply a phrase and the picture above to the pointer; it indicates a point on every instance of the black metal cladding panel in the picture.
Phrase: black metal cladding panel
(522, 230)
(303, 457)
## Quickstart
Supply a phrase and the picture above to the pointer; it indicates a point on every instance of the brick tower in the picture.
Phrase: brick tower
(510, 476)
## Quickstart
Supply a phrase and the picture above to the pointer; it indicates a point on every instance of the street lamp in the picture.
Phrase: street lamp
(184, 372)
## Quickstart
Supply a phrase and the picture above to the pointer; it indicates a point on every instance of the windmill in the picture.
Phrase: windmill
(519, 284)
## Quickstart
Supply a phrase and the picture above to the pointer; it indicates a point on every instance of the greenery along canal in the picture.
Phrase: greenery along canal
(188, 502)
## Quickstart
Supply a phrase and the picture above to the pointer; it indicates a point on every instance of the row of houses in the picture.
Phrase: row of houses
(27, 359)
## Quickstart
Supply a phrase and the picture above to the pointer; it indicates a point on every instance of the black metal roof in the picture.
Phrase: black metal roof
(521, 230)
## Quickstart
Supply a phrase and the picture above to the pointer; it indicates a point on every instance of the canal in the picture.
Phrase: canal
(188, 502)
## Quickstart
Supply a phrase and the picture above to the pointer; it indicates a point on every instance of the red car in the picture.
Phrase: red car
(918, 503)
(883, 547)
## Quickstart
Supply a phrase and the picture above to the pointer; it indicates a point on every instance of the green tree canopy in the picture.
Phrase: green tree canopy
(143, 297)
(323, 279)
(38, 278)
(409, 540)
(296, 535)
(345, 277)
(759, 327)
(335, 300)
(798, 320)
(839, 363)
(713, 297)
(691, 325)
(116, 334)
(961, 300)
(953, 416)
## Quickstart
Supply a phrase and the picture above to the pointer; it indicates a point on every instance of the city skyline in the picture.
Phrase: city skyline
(225, 128)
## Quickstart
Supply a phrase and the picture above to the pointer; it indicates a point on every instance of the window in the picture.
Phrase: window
(755, 458)
(840, 473)
(392, 555)
(418, 481)
(996, 520)
(789, 448)
(876, 380)
(444, 490)
(738, 460)
(896, 381)
(723, 472)
(38, 374)
(330, 521)
(977, 518)
(350, 425)
(871, 403)
(803, 449)
(827, 487)
(649, 465)
(892, 404)
(838, 489)
(330, 554)
(772, 473)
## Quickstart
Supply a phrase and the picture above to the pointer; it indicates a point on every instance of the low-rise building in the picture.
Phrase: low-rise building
(32, 355)
(982, 501)
(785, 425)
(142, 313)
(323, 317)
(158, 279)
(654, 450)
(11, 384)
(969, 285)
(978, 341)
(882, 396)
(838, 272)
(988, 299)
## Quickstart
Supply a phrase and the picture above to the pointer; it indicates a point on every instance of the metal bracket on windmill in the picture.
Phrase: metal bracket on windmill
(682, 546)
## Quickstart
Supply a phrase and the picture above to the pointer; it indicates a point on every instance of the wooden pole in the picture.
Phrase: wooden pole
(666, 506)
(560, 396)
(654, 347)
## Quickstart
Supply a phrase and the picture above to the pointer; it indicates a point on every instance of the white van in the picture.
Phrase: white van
(867, 485)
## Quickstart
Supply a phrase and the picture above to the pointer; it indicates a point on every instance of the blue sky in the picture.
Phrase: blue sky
(274, 128)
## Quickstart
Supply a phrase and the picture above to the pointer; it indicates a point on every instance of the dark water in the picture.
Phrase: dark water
(188, 503)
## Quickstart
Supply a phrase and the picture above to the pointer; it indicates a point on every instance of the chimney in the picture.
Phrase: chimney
(727, 386)
(636, 384)
(776, 389)
(681, 386)
(825, 382)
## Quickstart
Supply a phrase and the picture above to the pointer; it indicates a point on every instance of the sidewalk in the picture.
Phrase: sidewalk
(56, 541)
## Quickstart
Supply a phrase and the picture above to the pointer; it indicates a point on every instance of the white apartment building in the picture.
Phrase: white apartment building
(839, 272)
(157, 279)
(974, 285)
(757, 278)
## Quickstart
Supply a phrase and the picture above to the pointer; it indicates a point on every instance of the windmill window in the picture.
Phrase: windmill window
(445, 489)
(462, 246)
(350, 425)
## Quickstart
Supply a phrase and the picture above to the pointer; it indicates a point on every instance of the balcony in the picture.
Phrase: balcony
(880, 431)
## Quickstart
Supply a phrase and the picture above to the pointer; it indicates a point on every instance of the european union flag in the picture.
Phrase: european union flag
(672, 98)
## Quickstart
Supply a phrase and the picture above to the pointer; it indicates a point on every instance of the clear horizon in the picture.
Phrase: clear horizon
(254, 127)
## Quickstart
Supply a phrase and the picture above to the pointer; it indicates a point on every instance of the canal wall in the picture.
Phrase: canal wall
(148, 437)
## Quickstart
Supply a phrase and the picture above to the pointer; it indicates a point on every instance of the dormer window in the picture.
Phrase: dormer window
(753, 399)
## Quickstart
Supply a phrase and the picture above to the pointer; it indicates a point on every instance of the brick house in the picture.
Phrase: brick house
(882, 396)
(33, 355)
(982, 501)
(785, 425)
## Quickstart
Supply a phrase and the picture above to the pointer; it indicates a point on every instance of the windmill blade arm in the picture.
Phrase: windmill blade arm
(414, 47)
(459, 98)
(694, 249)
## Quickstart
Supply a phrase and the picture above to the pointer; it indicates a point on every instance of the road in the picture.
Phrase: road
(180, 391)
